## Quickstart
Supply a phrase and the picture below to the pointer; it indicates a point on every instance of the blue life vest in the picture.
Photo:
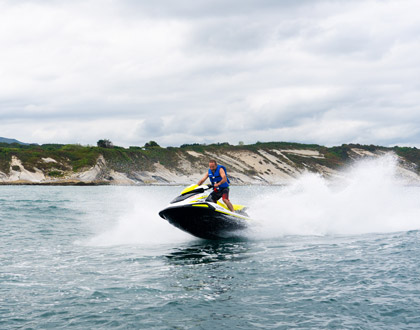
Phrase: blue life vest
(216, 177)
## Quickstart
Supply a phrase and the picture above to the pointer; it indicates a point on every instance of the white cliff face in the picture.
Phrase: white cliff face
(93, 174)
(121, 179)
(272, 166)
(4, 177)
(48, 160)
(22, 174)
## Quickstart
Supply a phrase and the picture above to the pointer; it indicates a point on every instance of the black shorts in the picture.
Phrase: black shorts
(216, 195)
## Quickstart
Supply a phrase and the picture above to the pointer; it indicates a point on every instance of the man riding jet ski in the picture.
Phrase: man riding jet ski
(196, 212)
(220, 181)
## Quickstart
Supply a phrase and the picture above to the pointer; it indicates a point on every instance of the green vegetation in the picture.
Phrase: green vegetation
(279, 145)
(105, 143)
(68, 157)
(151, 144)
(56, 174)
(197, 147)
(5, 159)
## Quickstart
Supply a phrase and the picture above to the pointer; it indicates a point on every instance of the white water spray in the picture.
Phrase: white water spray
(370, 199)
(140, 223)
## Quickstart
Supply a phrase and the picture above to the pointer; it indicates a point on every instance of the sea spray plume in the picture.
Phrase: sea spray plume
(371, 197)
(139, 224)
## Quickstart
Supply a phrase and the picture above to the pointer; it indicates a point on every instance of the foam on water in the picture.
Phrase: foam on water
(371, 198)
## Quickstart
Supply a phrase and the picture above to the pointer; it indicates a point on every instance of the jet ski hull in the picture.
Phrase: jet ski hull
(203, 221)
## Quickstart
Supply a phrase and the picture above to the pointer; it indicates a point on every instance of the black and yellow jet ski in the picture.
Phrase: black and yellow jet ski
(194, 213)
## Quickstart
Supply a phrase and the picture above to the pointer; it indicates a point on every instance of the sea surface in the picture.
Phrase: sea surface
(317, 257)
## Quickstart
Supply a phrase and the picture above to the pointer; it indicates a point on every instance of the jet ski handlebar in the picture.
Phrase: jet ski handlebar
(196, 189)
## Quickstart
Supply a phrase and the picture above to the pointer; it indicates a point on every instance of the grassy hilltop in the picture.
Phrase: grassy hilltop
(57, 161)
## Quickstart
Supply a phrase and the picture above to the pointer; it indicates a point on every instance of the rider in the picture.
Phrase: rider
(218, 177)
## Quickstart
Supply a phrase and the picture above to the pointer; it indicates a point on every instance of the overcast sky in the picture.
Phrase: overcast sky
(186, 71)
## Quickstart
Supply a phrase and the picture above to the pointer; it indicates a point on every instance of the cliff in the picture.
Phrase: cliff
(260, 163)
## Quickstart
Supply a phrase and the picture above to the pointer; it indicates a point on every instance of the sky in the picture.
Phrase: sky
(205, 71)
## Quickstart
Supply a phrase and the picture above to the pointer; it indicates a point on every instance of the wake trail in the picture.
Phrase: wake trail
(370, 198)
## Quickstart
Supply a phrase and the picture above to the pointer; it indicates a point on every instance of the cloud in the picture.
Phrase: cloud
(326, 72)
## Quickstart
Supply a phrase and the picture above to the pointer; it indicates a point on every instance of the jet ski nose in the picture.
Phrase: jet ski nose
(162, 214)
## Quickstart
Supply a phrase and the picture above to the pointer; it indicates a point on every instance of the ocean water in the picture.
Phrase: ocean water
(318, 255)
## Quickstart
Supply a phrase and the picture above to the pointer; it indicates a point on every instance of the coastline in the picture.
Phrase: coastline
(262, 164)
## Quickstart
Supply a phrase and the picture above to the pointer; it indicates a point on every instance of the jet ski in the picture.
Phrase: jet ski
(194, 213)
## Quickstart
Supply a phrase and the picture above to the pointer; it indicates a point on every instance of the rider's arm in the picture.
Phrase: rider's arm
(203, 179)
(224, 178)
